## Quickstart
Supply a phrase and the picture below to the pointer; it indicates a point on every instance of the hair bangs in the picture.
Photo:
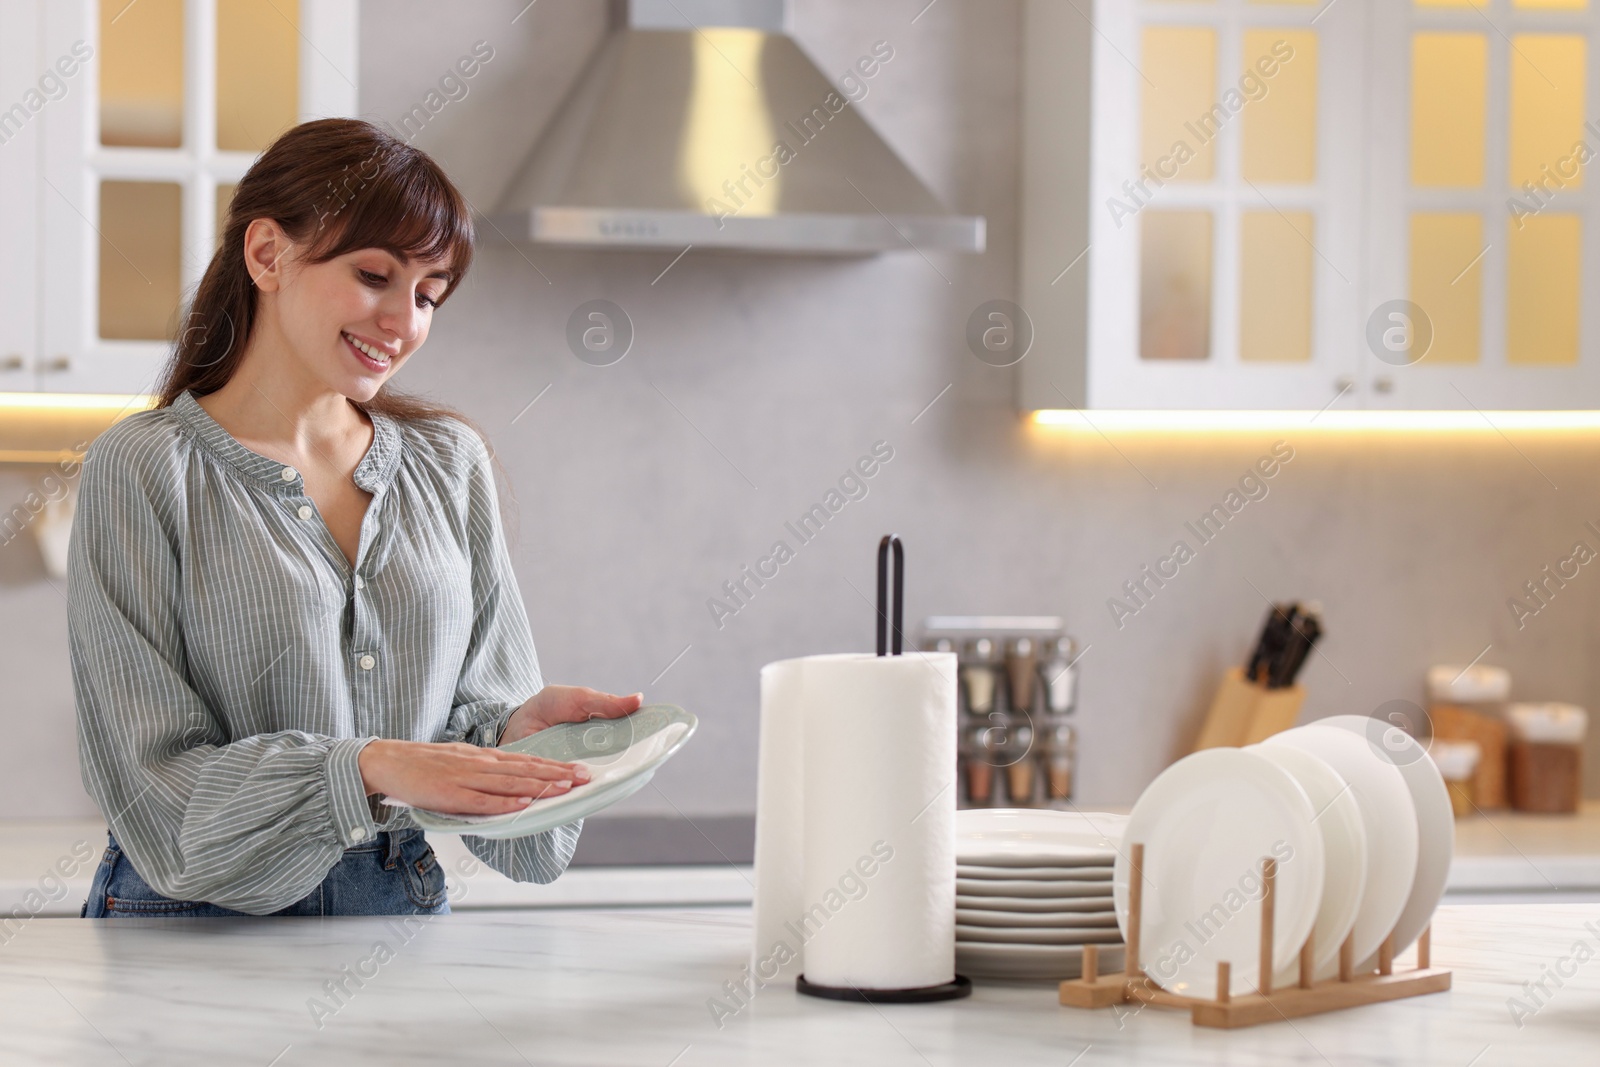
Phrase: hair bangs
(400, 201)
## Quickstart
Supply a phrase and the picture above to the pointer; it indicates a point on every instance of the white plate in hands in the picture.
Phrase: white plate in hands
(621, 754)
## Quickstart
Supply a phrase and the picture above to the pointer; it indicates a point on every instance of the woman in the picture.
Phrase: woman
(290, 591)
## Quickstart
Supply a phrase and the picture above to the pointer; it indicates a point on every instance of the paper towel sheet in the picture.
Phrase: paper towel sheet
(855, 820)
(780, 801)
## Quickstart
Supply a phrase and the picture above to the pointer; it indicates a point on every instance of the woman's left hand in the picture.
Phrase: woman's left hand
(566, 703)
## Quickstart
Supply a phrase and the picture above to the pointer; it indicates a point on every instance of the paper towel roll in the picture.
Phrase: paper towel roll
(780, 802)
(857, 796)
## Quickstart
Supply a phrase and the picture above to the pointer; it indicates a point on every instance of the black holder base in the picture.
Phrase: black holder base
(961, 986)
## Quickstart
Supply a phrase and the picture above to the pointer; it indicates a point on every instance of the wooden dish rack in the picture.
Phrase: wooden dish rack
(1225, 1011)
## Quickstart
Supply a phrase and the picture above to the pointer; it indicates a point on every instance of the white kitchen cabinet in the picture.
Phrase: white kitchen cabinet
(1495, 99)
(19, 162)
(116, 193)
(1224, 200)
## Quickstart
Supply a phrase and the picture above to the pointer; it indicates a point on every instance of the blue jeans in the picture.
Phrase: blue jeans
(394, 874)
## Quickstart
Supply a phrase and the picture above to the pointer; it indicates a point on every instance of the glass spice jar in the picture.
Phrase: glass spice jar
(1058, 752)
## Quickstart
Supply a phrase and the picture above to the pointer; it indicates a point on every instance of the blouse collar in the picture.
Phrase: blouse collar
(375, 470)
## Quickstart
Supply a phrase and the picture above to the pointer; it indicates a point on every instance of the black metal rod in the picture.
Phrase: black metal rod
(883, 595)
(899, 592)
(885, 622)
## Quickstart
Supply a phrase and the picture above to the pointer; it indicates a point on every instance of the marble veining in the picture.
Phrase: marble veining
(626, 987)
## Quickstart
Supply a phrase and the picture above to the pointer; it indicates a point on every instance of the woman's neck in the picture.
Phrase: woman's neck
(272, 409)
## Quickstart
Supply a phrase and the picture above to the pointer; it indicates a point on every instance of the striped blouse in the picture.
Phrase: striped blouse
(229, 664)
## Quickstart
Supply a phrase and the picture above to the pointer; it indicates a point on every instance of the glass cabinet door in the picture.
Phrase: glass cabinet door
(1482, 201)
(140, 157)
(1225, 216)
(1378, 204)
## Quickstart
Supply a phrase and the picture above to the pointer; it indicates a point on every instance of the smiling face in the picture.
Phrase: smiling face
(357, 317)
(350, 321)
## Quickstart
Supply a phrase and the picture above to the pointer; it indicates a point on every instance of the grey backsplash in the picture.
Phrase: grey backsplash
(755, 383)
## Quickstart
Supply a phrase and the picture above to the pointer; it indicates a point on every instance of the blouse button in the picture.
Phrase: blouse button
(288, 474)
(361, 583)
(358, 833)
(367, 662)
(305, 511)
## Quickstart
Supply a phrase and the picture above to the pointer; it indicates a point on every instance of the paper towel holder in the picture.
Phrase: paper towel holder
(899, 591)
(959, 985)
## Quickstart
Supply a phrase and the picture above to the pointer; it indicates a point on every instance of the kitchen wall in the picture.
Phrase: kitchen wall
(754, 383)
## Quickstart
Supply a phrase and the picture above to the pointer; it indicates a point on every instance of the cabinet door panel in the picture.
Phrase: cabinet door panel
(1225, 272)
(1480, 215)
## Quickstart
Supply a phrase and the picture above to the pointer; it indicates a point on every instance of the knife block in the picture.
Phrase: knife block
(1244, 712)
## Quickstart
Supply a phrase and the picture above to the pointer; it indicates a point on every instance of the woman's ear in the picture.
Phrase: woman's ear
(265, 245)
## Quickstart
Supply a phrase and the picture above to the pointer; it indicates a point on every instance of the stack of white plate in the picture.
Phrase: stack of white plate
(1352, 810)
(1032, 888)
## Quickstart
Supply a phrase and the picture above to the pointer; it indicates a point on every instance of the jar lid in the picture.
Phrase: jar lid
(1477, 684)
(1558, 724)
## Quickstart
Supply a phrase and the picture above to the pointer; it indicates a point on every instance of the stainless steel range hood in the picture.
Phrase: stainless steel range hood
(700, 122)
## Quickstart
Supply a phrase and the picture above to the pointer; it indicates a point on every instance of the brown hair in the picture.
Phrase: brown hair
(336, 185)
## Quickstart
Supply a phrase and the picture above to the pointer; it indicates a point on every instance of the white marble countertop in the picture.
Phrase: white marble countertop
(1499, 857)
(1505, 851)
(31, 853)
(624, 987)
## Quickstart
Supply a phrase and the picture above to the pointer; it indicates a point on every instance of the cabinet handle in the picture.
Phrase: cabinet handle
(1344, 384)
(59, 363)
(1383, 385)
(13, 362)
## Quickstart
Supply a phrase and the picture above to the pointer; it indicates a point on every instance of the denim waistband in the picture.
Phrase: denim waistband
(388, 842)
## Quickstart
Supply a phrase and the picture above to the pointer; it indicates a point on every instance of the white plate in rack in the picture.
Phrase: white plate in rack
(1388, 818)
(1344, 839)
(1436, 824)
(1207, 823)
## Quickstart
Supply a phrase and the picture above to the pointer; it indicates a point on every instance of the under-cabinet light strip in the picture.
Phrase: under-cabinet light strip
(1300, 421)
(75, 401)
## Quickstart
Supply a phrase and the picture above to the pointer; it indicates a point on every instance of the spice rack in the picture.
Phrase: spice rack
(1018, 691)
(1227, 1012)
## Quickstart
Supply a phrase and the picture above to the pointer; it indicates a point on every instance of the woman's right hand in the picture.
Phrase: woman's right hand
(461, 779)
